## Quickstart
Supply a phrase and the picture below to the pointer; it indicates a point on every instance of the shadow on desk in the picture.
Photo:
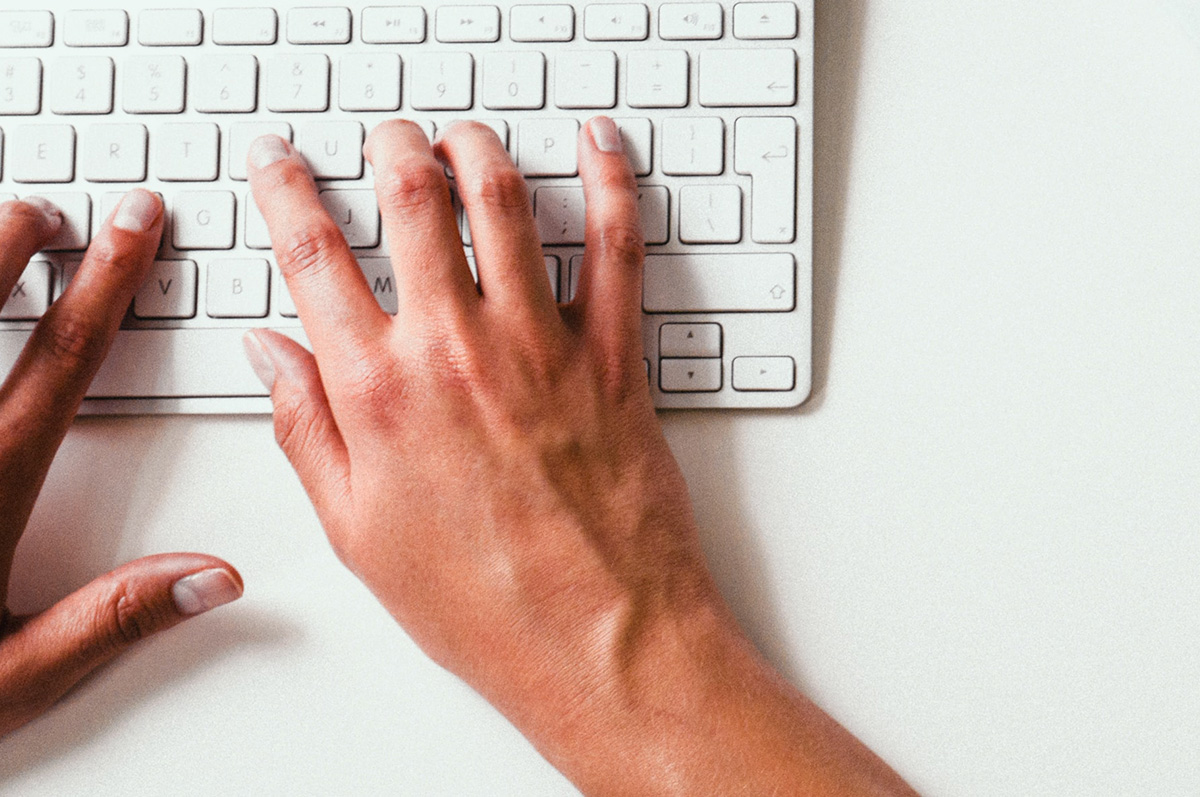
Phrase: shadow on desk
(707, 443)
(840, 28)
(106, 698)
(92, 516)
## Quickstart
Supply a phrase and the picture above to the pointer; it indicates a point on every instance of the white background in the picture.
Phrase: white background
(978, 546)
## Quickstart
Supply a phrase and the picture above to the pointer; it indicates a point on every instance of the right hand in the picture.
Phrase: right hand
(491, 466)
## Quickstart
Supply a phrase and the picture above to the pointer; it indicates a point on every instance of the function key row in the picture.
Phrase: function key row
(183, 27)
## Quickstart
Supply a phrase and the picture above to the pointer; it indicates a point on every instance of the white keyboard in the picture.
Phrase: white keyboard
(714, 101)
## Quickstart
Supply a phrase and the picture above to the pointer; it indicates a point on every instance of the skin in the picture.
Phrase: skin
(489, 463)
(42, 656)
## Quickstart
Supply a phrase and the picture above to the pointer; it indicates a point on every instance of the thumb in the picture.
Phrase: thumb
(43, 656)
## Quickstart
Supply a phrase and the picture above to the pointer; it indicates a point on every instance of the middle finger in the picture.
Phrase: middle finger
(423, 238)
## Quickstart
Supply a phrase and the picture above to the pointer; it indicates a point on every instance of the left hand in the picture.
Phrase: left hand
(42, 656)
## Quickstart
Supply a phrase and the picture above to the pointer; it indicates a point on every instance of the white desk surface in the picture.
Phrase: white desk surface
(978, 546)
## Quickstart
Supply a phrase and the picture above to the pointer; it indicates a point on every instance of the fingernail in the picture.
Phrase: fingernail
(53, 215)
(260, 361)
(267, 150)
(605, 134)
(137, 212)
(208, 589)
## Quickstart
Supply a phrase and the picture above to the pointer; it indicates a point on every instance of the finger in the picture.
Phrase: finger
(610, 283)
(305, 427)
(332, 296)
(50, 652)
(50, 378)
(508, 252)
(25, 227)
(423, 237)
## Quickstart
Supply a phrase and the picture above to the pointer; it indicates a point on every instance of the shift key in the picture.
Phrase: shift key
(720, 283)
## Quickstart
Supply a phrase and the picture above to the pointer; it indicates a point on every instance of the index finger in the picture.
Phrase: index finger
(68, 345)
(332, 296)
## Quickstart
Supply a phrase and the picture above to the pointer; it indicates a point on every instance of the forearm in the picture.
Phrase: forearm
(696, 710)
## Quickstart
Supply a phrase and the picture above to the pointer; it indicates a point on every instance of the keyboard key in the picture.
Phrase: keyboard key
(30, 297)
(442, 81)
(107, 28)
(689, 341)
(468, 24)
(203, 220)
(547, 147)
(298, 82)
(719, 283)
(168, 292)
(318, 26)
(257, 236)
(585, 79)
(20, 86)
(765, 149)
(393, 25)
(514, 80)
(681, 21)
(616, 22)
(242, 135)
(284, 304)
(356, 214)
(76, 231)
(764, 374)
(81, 85)
(693, 146)
(689, 376)
(114, 153)
(41, 153)
(559, 213)
(333, 149)
(154, 84)
(369, 82)
(378, 273)
(653, 210)
(747, 78)
(765, 21)
(541, 23)
(187, 152)
(244, 26)
(170, 27)
(238, 288)
(225, 83)
(662, 79)
(26, 29)
(710, 214)
(637, 136)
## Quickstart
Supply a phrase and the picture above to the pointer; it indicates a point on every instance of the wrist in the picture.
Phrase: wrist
(670, 683)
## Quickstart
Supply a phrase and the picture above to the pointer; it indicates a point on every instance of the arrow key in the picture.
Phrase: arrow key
(689, 376)
(764, 374)
(689, 341)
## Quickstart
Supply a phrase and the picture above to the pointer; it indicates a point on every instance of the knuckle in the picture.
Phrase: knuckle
(310, 250)
(372, 385)
(623, 240)
(71, 340)
(412, 183)
(293, 425)
(14, 212)
(123, 617)
(502, 188)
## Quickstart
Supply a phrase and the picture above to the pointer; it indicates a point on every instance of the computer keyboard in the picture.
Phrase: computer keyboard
(714, 101)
